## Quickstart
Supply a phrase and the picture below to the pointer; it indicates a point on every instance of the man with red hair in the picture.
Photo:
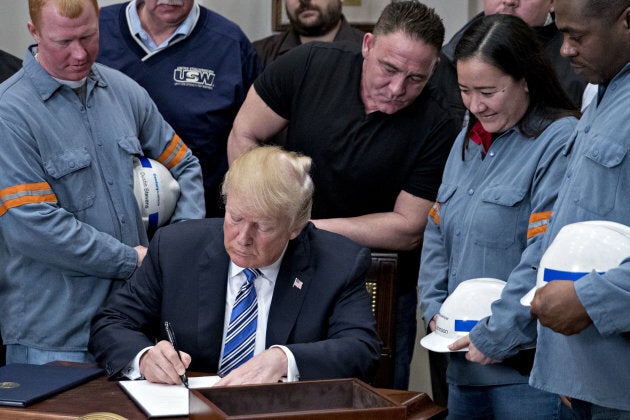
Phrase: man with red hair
(70, 226)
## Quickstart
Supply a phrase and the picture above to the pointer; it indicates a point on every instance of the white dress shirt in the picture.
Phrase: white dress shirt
(264, 285)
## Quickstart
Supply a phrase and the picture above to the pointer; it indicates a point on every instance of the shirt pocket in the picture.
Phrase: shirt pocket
(73, 175)
(130, 145)
(596, 178)
(445, 193)
(128, 148)
(497, 216)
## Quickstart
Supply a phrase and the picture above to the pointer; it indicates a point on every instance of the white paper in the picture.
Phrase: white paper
(160, 400)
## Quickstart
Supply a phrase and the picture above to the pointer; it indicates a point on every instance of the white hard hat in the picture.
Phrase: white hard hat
(156, 191)
(580, 248)
(470, 302)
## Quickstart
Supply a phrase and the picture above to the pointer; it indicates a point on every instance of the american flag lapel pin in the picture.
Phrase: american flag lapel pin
(297, 283)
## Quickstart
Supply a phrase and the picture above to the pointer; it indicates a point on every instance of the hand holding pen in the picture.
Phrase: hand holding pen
(171, 338)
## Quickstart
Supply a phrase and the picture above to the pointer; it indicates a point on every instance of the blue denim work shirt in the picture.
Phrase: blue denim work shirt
(487, 222)
(68, 216)
(594, 365)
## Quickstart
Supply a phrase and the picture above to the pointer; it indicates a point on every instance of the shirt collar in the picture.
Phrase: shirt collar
(269, 272)
(43, 82)
(182, 31)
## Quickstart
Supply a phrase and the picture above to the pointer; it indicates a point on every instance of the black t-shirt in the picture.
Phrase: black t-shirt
(360, 162)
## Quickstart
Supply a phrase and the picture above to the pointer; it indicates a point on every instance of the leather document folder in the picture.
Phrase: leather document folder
(23, 384)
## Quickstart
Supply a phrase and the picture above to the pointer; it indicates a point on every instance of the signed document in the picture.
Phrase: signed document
(160, 400)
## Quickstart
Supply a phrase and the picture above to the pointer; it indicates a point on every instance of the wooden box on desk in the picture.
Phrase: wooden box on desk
(341, 399)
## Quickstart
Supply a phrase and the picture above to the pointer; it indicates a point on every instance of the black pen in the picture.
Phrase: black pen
(171, 338)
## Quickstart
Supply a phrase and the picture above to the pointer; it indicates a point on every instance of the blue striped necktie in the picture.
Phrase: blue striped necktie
(240, 339)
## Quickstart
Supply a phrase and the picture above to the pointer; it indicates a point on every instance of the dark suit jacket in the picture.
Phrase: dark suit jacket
(327, 323)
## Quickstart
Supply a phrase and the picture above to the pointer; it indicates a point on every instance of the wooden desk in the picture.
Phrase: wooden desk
(101, 395)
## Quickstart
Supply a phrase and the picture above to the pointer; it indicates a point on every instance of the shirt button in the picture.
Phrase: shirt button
(587, 129)
(491, 154)
(471, 191)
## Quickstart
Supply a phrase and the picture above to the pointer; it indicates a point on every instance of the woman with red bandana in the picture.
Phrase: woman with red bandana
(499, 186)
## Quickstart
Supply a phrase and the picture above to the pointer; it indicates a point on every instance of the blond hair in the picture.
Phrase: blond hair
(67, 8)
(272, 181)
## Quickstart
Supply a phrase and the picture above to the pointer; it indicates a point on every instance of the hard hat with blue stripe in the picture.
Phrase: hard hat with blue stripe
(470, 302)
(579, 249)
(156, 192)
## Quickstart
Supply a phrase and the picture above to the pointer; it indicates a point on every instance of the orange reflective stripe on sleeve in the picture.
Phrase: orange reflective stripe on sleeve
(434, 213)
(538, 223)
(174, 152)
(18, 195)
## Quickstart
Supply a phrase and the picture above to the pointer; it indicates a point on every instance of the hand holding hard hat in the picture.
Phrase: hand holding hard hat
(557, 307)
(580, 248)
(156, 192)
(470, 302)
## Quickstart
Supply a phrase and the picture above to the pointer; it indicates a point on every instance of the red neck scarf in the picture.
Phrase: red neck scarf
(481, 137)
